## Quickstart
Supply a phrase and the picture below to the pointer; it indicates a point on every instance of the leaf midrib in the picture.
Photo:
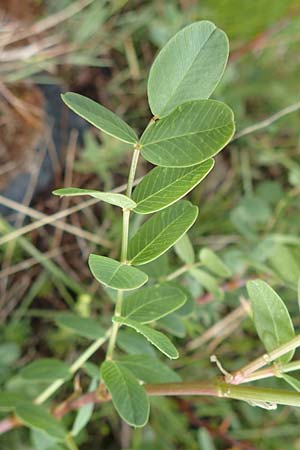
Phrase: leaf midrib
(184, 135)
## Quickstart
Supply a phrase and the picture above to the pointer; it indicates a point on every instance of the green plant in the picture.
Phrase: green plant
(186, 131)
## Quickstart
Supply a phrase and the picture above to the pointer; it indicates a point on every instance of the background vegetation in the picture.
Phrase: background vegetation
(249, 205)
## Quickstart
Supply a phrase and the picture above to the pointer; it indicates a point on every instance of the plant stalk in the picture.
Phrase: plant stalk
(73, 368)
(240, 375)
(124, 248)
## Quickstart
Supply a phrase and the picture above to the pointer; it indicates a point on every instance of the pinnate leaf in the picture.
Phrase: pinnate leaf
(191, 134)
(158, 339)
(109, 197)
(147, 305)
(116, 275)
(100, 117)
(82, 326)
(163, 186)
(37, 417)
(188, 67)
(128, 396)
(149, 369)
(161, 231)
(271, 318)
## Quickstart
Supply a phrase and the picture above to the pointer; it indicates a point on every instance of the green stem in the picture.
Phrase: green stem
(71, 444)
(243, 373)
(182, 270)
(73, 368)
(124, 248)
(274, 371)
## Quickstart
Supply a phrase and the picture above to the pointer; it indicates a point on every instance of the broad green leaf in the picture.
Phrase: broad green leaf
(100, 117)
(149, 369)
(285, 263)
(158, 268)
(205, 440)
(271, 318)
(9, 400)
(184, 249)
(291, 381)
(163, 186)
(161, 231)
(116, 275)
(214, 263)
(128, 396)
(134, 344)
(191, 134)
(156, 338)
(147, 305)
(173, 324)
(45, 369)
(298, 292)
(42, 441)
(82, 326)
(109, 197)
(188, 67)
(208, 282)
(37, 417)
(85, 412)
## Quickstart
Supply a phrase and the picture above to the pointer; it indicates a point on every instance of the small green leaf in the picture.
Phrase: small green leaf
(100, 117)
(163, 186)
(109, 197)
(214, 263)
(188, 67)
(271, 318)
(161, 231)
(208, 282)
(291, 381)
(82, 326)
(9, 400)
(128, 396)
(156, 338)
(115, 274)
(152, 303)
(149, 369)
(85, 412)
(172, 324)
(191, 134)
(134, 344)
(45, 369)
(184, 249)
(37, 417)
